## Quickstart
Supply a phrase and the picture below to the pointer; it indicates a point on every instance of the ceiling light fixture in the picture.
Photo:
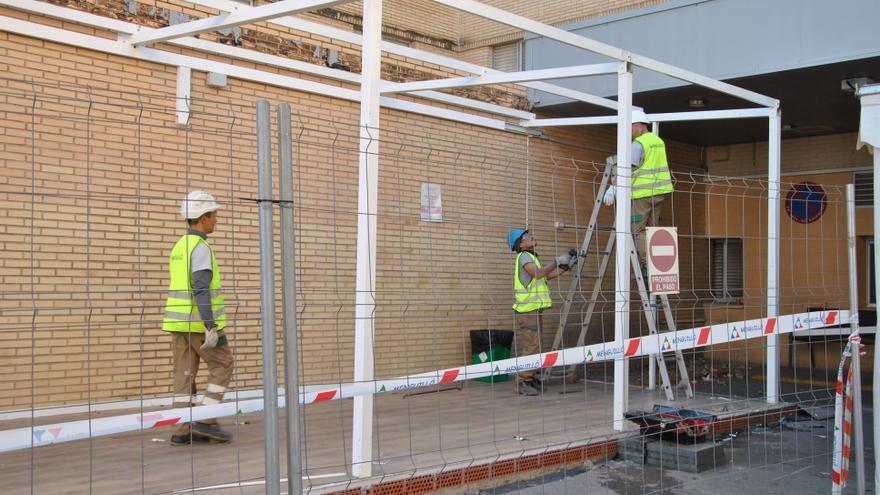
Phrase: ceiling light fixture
(697, 102)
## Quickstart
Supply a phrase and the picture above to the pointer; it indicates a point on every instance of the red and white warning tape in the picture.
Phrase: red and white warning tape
(691, 338)
(847, 427)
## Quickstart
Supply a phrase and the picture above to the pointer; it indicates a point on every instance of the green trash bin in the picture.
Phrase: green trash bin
(491, 345)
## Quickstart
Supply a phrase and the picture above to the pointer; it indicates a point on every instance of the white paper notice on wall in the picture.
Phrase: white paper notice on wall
(432, 205)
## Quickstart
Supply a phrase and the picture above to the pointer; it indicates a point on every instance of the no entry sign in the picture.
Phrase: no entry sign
(662, 260)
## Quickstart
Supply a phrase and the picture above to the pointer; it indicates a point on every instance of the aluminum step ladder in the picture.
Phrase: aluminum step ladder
(604, 253)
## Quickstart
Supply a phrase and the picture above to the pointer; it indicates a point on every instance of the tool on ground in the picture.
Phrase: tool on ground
(673, 423)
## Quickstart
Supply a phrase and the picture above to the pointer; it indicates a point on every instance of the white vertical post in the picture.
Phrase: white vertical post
(869, 124)
(368, 178)
(184, 88)
(876, 393)
(773, 184)
(856, 367)
(652, 361)
(623, 231)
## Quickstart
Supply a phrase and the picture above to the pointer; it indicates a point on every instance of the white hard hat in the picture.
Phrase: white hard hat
(197, 203)
(638, 116)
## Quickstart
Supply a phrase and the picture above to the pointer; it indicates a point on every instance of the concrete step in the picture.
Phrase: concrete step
(689, 458)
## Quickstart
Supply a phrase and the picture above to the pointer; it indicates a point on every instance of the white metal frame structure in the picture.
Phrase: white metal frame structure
(139, 42)
(869, 130)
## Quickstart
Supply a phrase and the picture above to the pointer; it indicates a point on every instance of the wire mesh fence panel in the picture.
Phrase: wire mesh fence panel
(91, 190)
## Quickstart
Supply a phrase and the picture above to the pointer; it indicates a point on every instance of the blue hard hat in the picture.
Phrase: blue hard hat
(514, 236)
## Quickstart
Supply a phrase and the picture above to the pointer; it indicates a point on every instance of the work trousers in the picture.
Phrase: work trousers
(645, 212)
(187, 357)
(527, 339)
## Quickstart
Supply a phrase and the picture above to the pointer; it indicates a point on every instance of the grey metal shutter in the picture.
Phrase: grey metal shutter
(864, 182)
(726, 269)
(507, 58)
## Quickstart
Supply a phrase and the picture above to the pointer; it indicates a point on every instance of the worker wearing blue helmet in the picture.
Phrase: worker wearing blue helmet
(532, 297)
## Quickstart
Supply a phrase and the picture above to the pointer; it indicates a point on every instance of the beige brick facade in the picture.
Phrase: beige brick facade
(813, 256)
(94, 167)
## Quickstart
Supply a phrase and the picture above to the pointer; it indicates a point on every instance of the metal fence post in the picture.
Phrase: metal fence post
(288, 298)
(858, 425)
(267, 298)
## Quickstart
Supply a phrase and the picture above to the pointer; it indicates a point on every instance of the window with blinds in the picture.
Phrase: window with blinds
(726, 270)
(864, 182)
(508, 57)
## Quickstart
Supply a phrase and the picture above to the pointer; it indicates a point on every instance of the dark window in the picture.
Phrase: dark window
(864, 182)
(726, 270)
(507, 58)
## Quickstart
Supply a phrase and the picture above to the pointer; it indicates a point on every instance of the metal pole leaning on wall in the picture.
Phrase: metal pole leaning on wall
(288, 298)
(858, 425)
(267, 299)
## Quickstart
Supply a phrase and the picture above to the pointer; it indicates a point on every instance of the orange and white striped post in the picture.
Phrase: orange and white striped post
(837, 454)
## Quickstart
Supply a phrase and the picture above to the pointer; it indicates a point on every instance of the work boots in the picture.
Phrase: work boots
(210, 431)
(199, 433)
(184, 436)
(528, 388)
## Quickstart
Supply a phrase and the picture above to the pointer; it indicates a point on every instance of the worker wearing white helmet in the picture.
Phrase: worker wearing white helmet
(195, 316)
(651, 180)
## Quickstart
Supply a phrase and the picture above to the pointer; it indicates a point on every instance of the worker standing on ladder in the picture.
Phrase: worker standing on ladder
(195, 316)
(532, 297)
(651, 180)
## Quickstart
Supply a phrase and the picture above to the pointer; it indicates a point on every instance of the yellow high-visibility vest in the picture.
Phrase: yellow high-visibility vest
(181, 310)
(533, 297)
(653, 177)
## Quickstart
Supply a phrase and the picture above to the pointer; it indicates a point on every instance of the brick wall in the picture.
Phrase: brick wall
(94, 167)
(813, 257)
(798, 155)
(91, 186)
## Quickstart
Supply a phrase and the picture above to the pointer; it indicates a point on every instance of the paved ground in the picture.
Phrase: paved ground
(788, 458)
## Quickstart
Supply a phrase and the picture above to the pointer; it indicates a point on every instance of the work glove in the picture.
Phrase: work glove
(609, 196)
(564, 260)
(211, 339)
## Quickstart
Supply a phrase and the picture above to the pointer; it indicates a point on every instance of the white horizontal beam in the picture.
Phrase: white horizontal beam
(71, 15)
(503, 78)
(300, 24)
(125, 28)
(526, 24)
(41, 31)
(742, 113)
(606, 119)
(243, 15)
(475, 104)
(868, 89)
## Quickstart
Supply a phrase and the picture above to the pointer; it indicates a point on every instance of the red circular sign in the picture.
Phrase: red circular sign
(662, 250)
(806, 202)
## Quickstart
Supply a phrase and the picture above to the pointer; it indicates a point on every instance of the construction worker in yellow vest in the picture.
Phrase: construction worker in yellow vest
(532, 297)
(651, 181)
(195, 316)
